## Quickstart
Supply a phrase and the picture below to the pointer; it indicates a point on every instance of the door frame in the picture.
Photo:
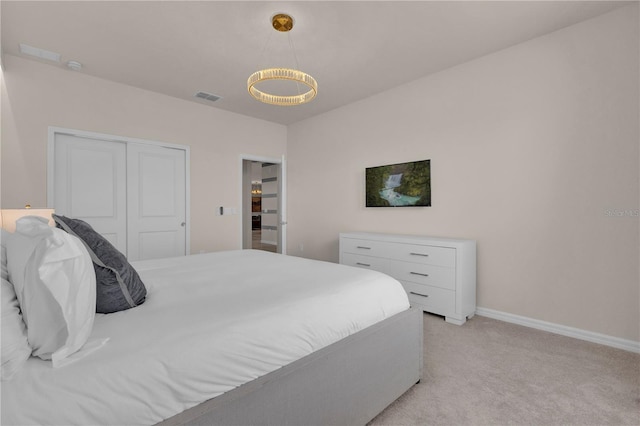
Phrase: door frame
(53, 131)
(282, 197)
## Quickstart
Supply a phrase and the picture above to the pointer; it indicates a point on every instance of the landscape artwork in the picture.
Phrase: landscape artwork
(399, 185)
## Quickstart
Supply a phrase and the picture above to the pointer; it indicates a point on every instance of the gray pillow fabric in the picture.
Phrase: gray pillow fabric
(118, 285)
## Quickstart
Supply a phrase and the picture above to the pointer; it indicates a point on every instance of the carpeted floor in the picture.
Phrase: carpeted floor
(489, 372)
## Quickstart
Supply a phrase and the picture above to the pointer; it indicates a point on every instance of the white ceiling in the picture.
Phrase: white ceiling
(353, 49)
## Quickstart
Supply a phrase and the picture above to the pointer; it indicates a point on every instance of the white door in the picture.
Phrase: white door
(156, 201)
(282, 216)
(90, 184)
(133, 193)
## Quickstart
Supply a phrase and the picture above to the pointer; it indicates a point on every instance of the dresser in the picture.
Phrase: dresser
(438, 274)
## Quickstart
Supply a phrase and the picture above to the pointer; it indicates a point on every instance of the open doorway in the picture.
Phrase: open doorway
(262, 205)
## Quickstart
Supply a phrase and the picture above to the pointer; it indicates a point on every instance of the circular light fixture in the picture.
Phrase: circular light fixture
(282, 74)
(283, 23)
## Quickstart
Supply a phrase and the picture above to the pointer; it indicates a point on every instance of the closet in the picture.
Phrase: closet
(133, 192)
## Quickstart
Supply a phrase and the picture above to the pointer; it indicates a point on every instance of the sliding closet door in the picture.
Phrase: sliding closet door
(89, 179)
(156, 200)
(132, 192)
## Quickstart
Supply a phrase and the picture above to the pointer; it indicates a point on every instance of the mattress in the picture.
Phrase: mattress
(210, 323)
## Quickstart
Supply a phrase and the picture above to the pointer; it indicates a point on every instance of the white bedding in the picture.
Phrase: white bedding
(210, 323)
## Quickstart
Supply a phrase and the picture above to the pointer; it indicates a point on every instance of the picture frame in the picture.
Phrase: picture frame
(399, 185)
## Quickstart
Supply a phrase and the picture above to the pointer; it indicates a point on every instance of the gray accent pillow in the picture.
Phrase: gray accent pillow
(118, 285)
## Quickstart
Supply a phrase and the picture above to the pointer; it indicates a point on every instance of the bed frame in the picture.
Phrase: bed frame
(346, 383)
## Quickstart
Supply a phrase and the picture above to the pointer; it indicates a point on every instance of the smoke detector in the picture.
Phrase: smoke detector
(74, 65)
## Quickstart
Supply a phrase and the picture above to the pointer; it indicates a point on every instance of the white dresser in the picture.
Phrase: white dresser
(439, 274)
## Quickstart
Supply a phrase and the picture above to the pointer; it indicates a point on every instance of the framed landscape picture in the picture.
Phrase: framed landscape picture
(399, 185)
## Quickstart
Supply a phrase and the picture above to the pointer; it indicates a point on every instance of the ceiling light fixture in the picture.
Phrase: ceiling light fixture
(283, 23)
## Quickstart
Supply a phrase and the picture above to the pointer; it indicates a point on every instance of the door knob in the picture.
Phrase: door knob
(183, 224)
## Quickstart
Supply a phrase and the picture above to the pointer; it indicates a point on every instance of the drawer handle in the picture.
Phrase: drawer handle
(364, 248)
(419, 294)
(419, 254)
(418, 273)
(363, 264)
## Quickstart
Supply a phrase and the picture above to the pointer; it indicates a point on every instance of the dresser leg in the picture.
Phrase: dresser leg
(455, 321)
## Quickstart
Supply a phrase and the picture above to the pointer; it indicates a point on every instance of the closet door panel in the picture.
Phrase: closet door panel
(90, 184)
(156, 202)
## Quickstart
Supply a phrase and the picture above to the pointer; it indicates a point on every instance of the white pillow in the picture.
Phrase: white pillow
(55, 283)
(15, 348)
(3, 243)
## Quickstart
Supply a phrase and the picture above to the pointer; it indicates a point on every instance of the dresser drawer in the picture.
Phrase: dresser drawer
(428, 255)
(431, 299)
(364, 247)
(419, 273)
(365, 262)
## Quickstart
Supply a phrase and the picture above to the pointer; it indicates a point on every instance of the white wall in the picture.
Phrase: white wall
(529, 148)
(35, 96)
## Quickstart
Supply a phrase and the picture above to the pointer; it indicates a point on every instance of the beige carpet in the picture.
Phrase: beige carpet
(489, 372)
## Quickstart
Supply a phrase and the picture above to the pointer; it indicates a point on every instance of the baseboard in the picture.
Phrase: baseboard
(589, 336)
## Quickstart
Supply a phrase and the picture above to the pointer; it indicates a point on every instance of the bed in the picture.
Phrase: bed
(235, 338)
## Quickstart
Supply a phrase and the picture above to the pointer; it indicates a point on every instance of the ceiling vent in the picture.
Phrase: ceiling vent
(39, 53)
(208, 96)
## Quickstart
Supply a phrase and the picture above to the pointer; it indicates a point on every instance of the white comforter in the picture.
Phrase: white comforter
(210, 323)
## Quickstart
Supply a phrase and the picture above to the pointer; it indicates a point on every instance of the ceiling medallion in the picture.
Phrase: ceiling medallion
(283, 23)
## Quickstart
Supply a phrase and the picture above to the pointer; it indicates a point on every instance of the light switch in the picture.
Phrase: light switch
(227, 211)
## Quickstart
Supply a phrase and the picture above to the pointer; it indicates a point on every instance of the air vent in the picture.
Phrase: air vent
(39, 53)
(208, 96)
